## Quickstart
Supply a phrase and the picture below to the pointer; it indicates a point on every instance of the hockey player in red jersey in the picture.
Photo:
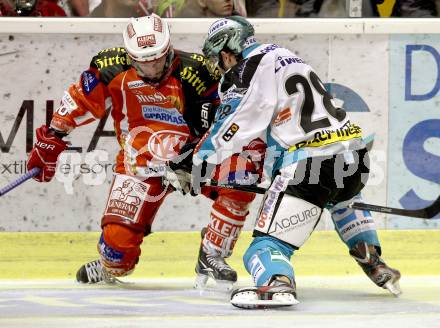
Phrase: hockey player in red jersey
(160, 99)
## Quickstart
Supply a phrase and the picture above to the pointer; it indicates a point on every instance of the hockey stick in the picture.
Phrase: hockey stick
(428, 212)
(423, 213)
(20, 180)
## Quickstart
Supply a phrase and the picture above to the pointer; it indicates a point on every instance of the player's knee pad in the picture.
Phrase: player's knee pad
(228, 215)
(288, 218)
(119, 248)
(354, 226)
(267, 257)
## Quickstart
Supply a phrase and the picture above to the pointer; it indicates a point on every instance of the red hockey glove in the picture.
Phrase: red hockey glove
(45, 153)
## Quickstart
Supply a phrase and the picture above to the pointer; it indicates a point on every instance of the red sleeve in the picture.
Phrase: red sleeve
(82, 103)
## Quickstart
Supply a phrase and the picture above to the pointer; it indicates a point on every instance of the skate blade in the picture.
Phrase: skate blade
(205, 283)
(393, 288)
(249, 300)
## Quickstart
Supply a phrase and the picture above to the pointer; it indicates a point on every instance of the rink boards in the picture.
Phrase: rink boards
(385, 73)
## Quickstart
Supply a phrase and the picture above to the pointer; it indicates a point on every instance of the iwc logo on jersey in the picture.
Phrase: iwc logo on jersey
(165, 145)
(231, 132)
(126, 198)
(146, 40)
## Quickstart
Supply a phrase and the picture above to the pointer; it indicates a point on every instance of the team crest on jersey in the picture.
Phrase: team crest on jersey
(89, 81)
(146, 40)
(284, 116)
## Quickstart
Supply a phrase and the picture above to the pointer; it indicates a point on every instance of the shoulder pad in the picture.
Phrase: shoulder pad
(194, 74)
(110, 62)
(241, 74)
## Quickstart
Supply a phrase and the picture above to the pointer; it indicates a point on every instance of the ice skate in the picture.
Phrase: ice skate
(93, 272)
(213, 267)
(375, 268)
(280, 293)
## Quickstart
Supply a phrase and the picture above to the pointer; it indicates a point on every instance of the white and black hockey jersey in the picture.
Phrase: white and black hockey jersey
(272, 94)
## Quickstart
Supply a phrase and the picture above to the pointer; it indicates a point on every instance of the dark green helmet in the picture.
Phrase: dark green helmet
(234, 33)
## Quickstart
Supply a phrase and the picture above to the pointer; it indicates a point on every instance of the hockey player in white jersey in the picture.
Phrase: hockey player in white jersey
(315, 159)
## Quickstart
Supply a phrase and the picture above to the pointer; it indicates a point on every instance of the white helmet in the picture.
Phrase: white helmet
(147, 41)
(147, 38)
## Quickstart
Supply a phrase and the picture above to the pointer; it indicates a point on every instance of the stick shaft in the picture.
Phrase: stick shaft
(33, 172)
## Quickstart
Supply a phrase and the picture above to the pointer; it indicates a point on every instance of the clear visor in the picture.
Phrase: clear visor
(152, 70)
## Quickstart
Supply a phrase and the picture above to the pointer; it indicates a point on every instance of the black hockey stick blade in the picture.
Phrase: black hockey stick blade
(423, 213)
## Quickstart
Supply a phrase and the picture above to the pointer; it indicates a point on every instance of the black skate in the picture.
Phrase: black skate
(93, 272)
(216, 268)
(375, 268)
(279, 293)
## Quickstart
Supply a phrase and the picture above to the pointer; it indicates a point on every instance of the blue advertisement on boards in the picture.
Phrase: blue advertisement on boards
(414, 126)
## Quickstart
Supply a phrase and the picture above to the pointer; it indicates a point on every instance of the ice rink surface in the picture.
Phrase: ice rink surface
(325, 302)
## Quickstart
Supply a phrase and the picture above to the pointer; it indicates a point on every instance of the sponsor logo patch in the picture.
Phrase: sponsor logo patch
(156, 113)
(217, 26)
(283, 61)
(269, 48)
(146, 40)
(284, 116)
(67, 105)
(156, 97)
(231, 132)
(295, 221)
(136, 84)
(125, 200)
(89, 81)
(157, 24)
